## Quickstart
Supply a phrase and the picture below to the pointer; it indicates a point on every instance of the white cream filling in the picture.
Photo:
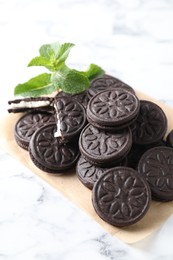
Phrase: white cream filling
(30, 104)
(58, 130)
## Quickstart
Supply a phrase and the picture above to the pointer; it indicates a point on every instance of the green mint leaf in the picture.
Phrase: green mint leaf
(39, 85)
(61, 53)
(46, 51)
(41, 61)
(52, 56)
(70, 81)
(93, 71)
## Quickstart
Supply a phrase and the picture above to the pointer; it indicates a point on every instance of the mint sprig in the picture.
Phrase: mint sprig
(53, 57)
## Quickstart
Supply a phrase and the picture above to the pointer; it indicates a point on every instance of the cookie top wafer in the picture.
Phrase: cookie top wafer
(121, 196)
(113, 107)
(156, 166)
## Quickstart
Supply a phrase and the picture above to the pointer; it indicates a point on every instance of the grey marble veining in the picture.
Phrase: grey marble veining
(132, 40)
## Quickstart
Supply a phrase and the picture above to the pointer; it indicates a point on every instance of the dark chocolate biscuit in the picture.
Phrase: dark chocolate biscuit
(150, 125)
(88, 173)
(102, 148)
(31, 104)
(105, 82)
(121, 196)
(71, 116)
(50, 154)
(28, 124)
(113, 107)
(82, 98)
(169, 139)
(156, 166)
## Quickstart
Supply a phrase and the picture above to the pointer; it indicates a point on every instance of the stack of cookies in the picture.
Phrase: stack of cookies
(116, 141)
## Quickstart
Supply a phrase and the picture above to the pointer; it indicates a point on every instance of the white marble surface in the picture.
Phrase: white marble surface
(132, 40)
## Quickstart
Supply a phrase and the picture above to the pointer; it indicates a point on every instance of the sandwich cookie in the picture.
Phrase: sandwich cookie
(115, 109)
(121, 196)
(50, 154)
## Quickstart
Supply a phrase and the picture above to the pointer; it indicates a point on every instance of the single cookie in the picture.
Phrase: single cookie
(70, 116)
(48, 152)
(150, 125)
(156, 166)
(102, 148)
(113, 107)
(82, 98)
(30, 104)
(106, 82)
(169, 139)
(28, 124)
(121, 196)
(88, 173)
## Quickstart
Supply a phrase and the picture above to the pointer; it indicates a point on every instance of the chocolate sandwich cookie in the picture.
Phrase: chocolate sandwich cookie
(50, 154)
(82, 98)
(70, 116)
(150, 125)
(28, 124)
(30, 104)
(121, 196)
(156, 166)
(88, 173)
(102, 148)
(169, 139)
(113, 108)
(106, 82)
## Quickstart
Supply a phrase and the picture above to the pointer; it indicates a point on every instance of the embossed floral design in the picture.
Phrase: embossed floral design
(31, 122)
(113, 104)
(98, 142)
(159, 169)
(121, 195)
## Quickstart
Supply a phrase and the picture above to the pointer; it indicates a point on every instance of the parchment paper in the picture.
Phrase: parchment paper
(70, 186)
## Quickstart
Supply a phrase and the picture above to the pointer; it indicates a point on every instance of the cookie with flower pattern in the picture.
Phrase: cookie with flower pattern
(103, 148)
(113, 108)
(121, 196)
(156, 166)
(49, 153)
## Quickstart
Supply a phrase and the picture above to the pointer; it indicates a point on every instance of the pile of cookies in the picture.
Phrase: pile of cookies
(116, 141)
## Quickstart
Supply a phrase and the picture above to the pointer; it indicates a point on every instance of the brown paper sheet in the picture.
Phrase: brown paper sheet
(69, 185)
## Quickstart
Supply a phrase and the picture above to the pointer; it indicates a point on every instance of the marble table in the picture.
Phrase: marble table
(132, 40)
